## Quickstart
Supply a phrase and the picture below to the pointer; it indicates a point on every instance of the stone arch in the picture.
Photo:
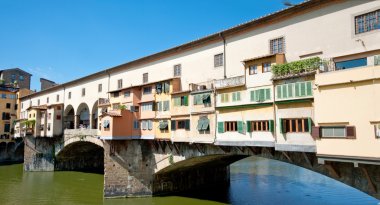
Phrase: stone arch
(94, 116)
(83, 116)
(69, 117)
(80, 155)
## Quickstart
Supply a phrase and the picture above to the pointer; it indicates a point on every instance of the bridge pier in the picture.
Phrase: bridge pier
(39, 153)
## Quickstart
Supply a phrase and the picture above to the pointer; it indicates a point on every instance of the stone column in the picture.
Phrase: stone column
(76, 121)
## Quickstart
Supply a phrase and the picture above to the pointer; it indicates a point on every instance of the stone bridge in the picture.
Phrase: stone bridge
(137, 168)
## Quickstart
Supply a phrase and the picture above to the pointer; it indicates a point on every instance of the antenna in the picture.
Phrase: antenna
(287, 3)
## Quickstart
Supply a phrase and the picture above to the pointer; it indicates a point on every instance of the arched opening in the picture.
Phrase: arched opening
(81, 156)
(83, 116)
(94, 116)
(69, 117)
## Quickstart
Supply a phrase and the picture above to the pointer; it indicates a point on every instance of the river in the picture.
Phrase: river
(253, 181)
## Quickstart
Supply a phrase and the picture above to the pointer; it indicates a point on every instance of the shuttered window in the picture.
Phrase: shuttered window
(292, 90)
(235, 96)
(367, 22)
(181, 101)
(295, 125)
(260, 95)
(260, 126)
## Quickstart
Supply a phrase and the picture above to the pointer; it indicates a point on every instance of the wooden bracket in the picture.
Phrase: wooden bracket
(177, 148)
(333, 172)
(225, 149)
(307, 159)
(371, 185)
(287, 156)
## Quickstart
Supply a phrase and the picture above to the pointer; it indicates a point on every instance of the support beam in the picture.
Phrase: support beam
(333, 172)
(371, 185)
(287, 157)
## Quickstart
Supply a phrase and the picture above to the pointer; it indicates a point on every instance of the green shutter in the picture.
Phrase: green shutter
(173, 127)
(303, 89)
(220, 127)
(226, 97)
(284, 91)
(309, 122)
(186, 100)
(194, 99)
(290, 90)
(252, 95)
(309, 89)
(281, 126)
(279, 91)
(262, 95)
(233, 97)
(267, 94)
(297, 85)
(240, 127)
(377, 60)
(271, 125)
(167, 87)
(187, 124)
(237, 96)
(249, 126)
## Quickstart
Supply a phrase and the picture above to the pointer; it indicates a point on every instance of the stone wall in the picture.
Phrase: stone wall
(39, 154)
(11, 152)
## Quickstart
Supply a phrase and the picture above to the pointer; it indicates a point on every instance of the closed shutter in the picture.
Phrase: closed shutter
(238, 96)
(187, 124)
(282, 127)
(309, 123)
(377, 60)
(315, 132)
(150, 124)
(249, 126)
(271, 125)
(220, 127)
(233, 97)
(195, 100)
(186, 100)
(166, 105)
(267, 94)
(290, 90)
(350, 132)
(262, 95)
(309, 89)
(253, 95)
(173, 127)
(226, 97)
(240, 127)
(143, 125)
(159, 106)
(284, 91)
(302, 89)
(279, 91)
(166, 87)
(297, 89)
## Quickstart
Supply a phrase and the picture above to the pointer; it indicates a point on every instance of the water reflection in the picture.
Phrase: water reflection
(253, 181)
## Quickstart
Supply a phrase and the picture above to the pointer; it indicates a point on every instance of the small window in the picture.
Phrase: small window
(147, 90)
(21, 78)
(177, 70)
(145, 77)
(236, 96)
(4, 96)
(377, 130)
(83, 92)
(57, 98)
(277, 45)
(8, 106)
(16, 106)
(38, 102)
(7, 127)
(259, 126)
(295, 125)
(163, 125)
(351, 64)
(127, 94)
(47, 100)
(181, 124)
(218, 60)
(367, 22)
(266, 67)
(119, 83)
(230, 126)
(13, 77)
(252, 69)
(115, 94)
(180, 101)
(115, 106)
(49, 115)
(334, 132)
(22, 105)
(100, 88)
(69, 95)
(147, 106)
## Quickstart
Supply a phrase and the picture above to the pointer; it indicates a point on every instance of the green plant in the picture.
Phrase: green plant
(122, 107)
(296, 67)
(171, 159)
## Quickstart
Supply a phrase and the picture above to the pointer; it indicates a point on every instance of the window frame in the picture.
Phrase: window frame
(274, 45)
(144, 90)
(145, 77)
(333, 136)
(218, 60)
(177, 70)
(230, 126)
(255, 69)
(365, 22)
(304, 125)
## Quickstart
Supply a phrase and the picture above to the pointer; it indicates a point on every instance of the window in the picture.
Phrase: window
(367, 22)
(236, 96)
(8, 106)
(21, 78)
(266, 67)
(295, 125)
(134, 108)
(7, 127)
(147, 124)
(115, 106)
(106, 125)
(333, 132)
(147, 90)
(291, 90)
(218, 60)
(163, 125)
(57, 98)
(230, 126)
(83, 92)
(48, 128)
(224, 97)
(136, 125)
(58, 117)
(16, 106)
(277, 45)
(69, 95)
(127, 94)
(6, 116)
(177, 70)
(13, 77)
(12, 96)
(147, 106)
(260, 126)
(119, 83)
(181, 101)
(351, 64)
(100, 87)
(180, 124)
(4, 96)
(38, 102)
(166, 105)
(253, 69)
(47, 100)
(203, 125)
(115, 94)
(145, 77)
(260, 95)
(204, 99)
(377, 130)
(22, 105)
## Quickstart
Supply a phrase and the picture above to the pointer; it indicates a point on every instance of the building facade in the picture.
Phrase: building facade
(16, 75)
(302, 79)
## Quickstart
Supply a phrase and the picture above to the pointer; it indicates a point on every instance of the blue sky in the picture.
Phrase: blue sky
(66, 39)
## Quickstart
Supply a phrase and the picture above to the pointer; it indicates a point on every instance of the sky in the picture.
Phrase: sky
(63, 40)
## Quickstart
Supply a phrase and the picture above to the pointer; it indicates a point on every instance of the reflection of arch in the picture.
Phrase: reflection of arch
(94, 116)
(83, 116)
(69, 117)
(81, 155)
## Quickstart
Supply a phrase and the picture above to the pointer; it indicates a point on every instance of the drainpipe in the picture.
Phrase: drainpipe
(274, 115)
(224, 54)
(108, 87)
(63, 108)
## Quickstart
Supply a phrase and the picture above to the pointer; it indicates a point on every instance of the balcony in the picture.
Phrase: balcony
(103, 101)
(201, 86)
(229, 82)
(81, 132)
(296, 68)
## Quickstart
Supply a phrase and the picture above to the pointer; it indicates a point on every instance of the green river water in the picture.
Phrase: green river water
(253, 181)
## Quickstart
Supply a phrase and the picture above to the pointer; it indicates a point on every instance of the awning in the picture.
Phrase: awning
(206, 124)
(106, 124)
(163, 125)
(206, 96)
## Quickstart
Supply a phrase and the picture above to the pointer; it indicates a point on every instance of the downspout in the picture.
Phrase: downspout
(108, 87)
(274, 114)
(63, 116)
(224, 54)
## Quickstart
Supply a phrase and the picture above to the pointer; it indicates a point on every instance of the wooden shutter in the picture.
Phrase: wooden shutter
(309, 91)
(249, 126)
(350, 132)
(187, 124)
(240, 127)
(173, 125)
(279, 91)
(220, 127)
(271, 125)
(316, 132)
(186, 100)
(253, 95)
